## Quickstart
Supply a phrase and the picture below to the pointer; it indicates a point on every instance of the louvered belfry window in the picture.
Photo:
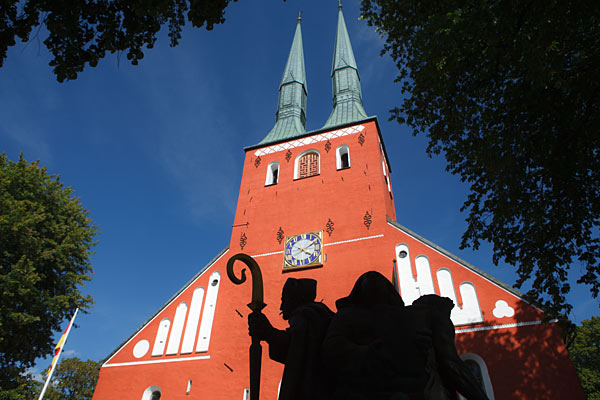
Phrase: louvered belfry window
(308, 165)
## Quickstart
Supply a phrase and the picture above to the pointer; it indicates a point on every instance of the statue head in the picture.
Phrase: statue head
(442, 304)
(370, 289)
(295, 293)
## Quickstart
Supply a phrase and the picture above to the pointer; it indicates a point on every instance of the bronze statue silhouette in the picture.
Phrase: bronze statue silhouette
(374, 348)
(378, 349)
(299, 346)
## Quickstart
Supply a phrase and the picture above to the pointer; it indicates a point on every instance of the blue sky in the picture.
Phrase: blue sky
(155, 151)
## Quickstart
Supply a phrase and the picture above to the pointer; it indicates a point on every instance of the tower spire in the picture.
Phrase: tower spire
(347, 97)
(290, 118)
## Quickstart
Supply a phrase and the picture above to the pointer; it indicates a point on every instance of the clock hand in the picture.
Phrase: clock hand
(313, 242)
(304, 250)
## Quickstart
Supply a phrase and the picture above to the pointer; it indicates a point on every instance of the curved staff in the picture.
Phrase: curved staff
(256, 305)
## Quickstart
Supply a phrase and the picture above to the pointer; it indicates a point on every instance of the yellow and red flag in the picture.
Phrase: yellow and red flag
(61, 343)
(57, 350)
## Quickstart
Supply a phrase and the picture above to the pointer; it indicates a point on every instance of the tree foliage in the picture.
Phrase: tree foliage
(509, 92)
(82, 32)
(24, 387)
(74, 379)
(46, 237)
(585, 354)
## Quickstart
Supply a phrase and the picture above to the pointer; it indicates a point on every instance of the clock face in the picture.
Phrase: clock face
(304, 250)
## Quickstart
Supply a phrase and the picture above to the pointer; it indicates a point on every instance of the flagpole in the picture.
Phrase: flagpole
(57, 356)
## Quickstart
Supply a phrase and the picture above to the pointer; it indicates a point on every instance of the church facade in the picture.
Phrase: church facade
(320, 205)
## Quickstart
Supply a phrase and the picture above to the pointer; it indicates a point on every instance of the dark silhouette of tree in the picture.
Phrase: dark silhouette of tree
(82, 32)
(509, 92)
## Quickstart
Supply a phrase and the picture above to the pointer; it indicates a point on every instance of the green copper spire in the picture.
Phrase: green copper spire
(347, 97)
(291, 109)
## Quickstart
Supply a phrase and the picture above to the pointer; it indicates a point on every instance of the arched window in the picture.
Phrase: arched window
(152, 393)
(307, 164)
(155, 395)
(385, 175)
(161, 337)
(342, 157)
(272, 173)
(479, 370)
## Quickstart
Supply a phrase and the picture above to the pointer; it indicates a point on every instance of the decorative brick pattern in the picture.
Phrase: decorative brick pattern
(368, 220)
(308, 165)
(310, 140)
(329, 227)
(361, 139)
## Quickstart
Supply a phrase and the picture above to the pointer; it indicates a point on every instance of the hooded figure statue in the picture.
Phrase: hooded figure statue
(378, 349)
(299, 346)
(448, 373)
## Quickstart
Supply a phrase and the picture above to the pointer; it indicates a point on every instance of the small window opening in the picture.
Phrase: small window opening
(308, 165)
(152, 393)
(477, 367)
(272, 174)
(343, 157)
(345, 163)
(476, 371)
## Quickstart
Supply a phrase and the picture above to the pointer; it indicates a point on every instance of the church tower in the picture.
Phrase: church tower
(331, 190)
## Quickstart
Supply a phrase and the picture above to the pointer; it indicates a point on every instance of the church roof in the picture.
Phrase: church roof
(347, 96)
(291, 108)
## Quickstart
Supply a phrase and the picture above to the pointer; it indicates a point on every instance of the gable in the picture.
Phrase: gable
(181, 327)
(423, 268)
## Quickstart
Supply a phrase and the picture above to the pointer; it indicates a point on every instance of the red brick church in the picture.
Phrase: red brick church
(331, 188)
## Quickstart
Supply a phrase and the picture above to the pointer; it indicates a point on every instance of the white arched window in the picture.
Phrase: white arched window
(307, 164)
(272, 174)
(161, 337)
(478, 368)
(385, 175)
(342, 157)
(152, 393)
(177, 329)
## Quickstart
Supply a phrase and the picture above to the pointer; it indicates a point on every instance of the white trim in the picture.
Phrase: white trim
(123, 364)
(177, 329)
(485, 375)
(353, 240)
(502, 326)
(208, 313)
(191, 326)
(161, 338)
(458, 263)
(470, 312)
(324, 245)
(267, 254)
(309, 140)
(158, 314)
(271, 168)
